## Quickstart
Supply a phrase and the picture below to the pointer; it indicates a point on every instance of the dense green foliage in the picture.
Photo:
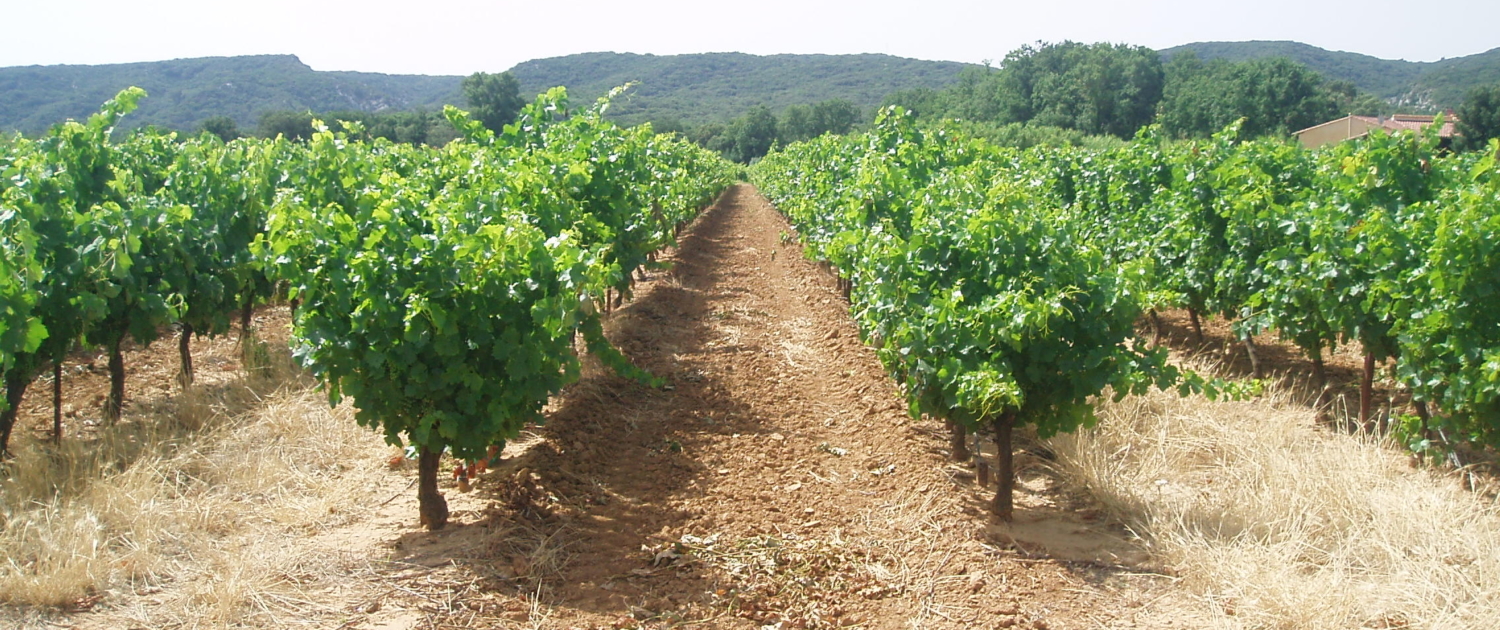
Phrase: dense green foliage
(719, 87)
(1479, 116)
(691, 89)
(1001, 286)
(494, 99)
(188, 91)
(223, 127)
(440, 289)
(1412, 85)
(805, 122)
(418, 126)
(1274, 96)
(1096, 89)
(751, 136)
(1108, 90)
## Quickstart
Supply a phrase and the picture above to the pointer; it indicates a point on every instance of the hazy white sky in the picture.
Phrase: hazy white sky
(465, 36)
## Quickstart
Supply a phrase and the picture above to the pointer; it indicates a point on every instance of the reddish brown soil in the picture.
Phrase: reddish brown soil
(776, 480)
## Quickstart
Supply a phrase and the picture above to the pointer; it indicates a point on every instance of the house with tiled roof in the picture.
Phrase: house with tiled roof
(1350, 127)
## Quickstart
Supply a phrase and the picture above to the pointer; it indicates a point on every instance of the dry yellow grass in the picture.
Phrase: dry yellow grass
(1280, 524)
(205, 497)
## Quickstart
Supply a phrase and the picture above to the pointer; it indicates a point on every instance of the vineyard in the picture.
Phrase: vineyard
(1002, 287)
(440, 289)
(681, 422)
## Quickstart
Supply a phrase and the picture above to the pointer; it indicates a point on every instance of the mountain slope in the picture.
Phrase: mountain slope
(689, 88)
(1429, 84)
(183, 92)
(718, 86)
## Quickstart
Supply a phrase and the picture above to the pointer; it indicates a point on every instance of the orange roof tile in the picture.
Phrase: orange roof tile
(1414, 122)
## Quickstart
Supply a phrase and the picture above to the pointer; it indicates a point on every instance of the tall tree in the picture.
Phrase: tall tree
(222, 126)
(753, 134)
(926, 103)
(290, 124)
(494, 99)
(796, 124)
(1094, 88)
(836, 116)
(1274, 96)
(1479, 116)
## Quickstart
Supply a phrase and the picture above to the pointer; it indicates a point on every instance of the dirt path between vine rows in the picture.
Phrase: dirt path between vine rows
(775, 482)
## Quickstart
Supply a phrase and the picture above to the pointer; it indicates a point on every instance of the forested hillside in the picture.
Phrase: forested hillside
(1437, 84)
(690, 92)
(695, 89)
(184, 92)
(688, 88)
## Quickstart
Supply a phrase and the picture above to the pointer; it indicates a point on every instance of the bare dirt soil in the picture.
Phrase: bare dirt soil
(775, 482)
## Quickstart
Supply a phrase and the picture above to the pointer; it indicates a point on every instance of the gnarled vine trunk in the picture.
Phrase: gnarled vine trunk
(1254, 356)
(430, 503)
(57, 373)
(1320, 379)
(15, 387)
(958, 441)
(1005, 469)
(115, 404)
(1367, 390)
(185, 353)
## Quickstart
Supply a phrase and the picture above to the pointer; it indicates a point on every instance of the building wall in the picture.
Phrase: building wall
(1334, 131)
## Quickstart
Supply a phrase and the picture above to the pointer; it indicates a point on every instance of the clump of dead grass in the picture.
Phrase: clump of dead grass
(206, 491)
(1280, 524)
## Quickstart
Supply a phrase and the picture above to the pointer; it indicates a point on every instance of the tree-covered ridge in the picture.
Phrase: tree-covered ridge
(1043, 93)
(688, 88)
(1112, 90)
(1436, 84)
(716, 87)
(188, 91)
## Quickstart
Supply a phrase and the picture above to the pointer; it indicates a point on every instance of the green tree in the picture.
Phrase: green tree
(714, 137)
(835, 116)
(292, 125)
(1349, 99)
(669, 124)
(222, 126)
(1274, 96)
(494, 99)
(796, 124)
(1479, 116)
(925, 103)
(977, 95)
(1281, 96)
(753, 134)
(1094, 88)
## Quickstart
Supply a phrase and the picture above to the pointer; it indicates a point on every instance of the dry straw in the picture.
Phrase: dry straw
(1282, 524)
(209, 492)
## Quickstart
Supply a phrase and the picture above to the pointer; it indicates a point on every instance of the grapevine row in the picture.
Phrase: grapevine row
(1001, 287)
(440, 289)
